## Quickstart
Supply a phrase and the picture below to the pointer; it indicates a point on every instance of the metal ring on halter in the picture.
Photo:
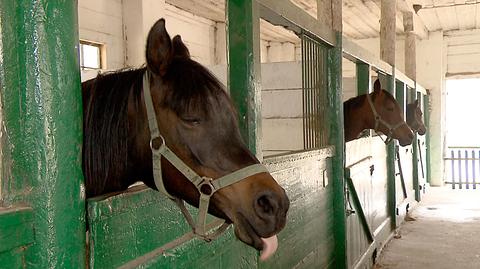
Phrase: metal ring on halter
(151, 143)
(206, 182)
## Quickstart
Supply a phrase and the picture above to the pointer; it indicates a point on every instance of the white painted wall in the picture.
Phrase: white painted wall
(101, 22)
(105, 21)
(282, 114)
(373, 45)
(463, 53)
(197, 33)
(431, 68)
(272, 52)
(349, 79)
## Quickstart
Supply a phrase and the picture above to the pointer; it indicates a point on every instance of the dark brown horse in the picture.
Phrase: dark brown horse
(379, 111)
(197, 121)
(415, 118)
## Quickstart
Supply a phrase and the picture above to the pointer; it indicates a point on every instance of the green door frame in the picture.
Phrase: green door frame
(42, 119)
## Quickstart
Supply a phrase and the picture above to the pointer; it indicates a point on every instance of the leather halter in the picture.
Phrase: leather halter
(378, 120)
(206, 186)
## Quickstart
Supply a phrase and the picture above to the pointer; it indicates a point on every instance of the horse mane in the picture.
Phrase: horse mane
(355, 102)
(105, 138)
(106, 160)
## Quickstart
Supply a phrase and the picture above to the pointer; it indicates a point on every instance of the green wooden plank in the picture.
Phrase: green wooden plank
(16, 228)
(13, 259)
(307, 238)
(224, 252)
(391, 181)
(42, 119)
(336, 137)
(426, 115)
(129, 225)
(400, 96)
(134, 223)
(415, 164)
(363, 78)
(244, 82)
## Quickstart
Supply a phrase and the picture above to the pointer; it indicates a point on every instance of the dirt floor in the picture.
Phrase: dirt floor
(445, 234)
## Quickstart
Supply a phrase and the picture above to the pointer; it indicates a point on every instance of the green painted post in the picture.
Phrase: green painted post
(243, 43)
(391, 182)
(363, 78)
(337, 138)
(426, 120)
(415, 162)
(42, 123)
(415, 149)
(400, 96)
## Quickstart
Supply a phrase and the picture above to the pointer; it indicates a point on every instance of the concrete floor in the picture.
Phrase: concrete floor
(446, 233)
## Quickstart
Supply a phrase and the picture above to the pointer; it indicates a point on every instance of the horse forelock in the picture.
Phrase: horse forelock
(387, 97)
(194, 90)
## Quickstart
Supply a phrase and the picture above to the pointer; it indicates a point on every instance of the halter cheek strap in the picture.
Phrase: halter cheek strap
(206, 186)
(378, 120)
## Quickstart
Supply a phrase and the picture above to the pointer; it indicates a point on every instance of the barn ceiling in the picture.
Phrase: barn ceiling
(361, 17)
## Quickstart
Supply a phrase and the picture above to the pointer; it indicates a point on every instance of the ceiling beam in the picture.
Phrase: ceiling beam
(418, 26)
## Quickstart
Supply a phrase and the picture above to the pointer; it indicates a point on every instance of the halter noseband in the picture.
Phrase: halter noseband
(378, 119)
(206, 186)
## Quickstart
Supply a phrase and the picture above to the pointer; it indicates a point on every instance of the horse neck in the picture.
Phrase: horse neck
(410, 115)
(112, 160)
(358, 116)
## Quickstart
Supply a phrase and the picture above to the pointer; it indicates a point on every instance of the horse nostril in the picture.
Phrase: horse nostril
(266, 205)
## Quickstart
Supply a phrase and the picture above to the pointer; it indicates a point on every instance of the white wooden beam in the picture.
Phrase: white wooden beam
(337, 15)
(410, 46)
(212, 10)
(420, 29)
(356, 53)
(285, 13)
(388, 31)
(324, 10)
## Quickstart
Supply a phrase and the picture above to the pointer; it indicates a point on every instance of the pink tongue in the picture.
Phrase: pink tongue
(269, 247)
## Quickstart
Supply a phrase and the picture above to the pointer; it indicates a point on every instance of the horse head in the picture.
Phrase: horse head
(387, 115)
(198, 123)
(415, 118)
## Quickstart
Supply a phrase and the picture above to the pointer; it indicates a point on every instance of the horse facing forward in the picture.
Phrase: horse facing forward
(415, 118)
(378, 111)
(174, 117)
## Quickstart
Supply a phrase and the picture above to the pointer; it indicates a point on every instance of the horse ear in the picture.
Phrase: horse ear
(416, 103)
(179, 48)
(376, 86)
(159, 48)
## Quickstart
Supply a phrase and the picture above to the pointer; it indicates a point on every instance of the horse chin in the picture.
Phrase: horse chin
(404, 143)
(245, 232)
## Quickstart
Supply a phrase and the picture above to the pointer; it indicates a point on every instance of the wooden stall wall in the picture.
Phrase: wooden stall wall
(127, 228)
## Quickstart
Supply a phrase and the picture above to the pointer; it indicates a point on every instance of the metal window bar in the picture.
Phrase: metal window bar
(464, 169)
(314, 82)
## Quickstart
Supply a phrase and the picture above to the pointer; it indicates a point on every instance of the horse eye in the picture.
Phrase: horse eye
(192, 121)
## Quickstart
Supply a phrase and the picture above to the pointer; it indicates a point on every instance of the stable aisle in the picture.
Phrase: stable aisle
(445, 234)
